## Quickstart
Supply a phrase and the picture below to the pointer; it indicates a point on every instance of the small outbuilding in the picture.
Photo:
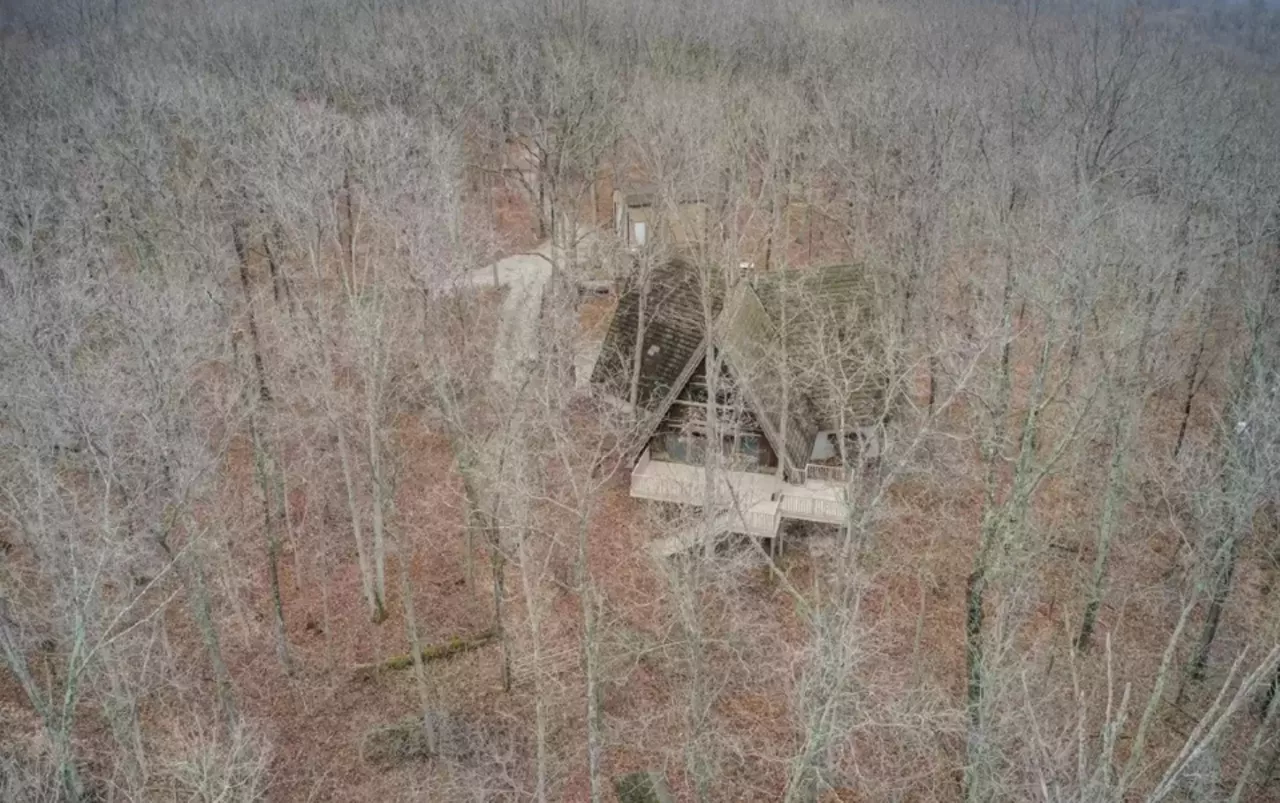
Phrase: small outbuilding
(643, 216)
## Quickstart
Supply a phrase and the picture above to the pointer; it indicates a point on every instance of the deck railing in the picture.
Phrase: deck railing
(811, 508)
(666, 489)
(755, 504)
(678, 482)
(764, 523)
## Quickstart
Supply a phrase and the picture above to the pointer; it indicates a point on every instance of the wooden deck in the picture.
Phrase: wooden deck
(762, 520)
(754, 504)
(814, 501)
(687, 484)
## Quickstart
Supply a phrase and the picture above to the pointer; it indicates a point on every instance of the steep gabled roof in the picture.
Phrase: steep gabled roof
(673, 331)
(826, 291)
(821, 308)
(777, 318)
(751, 346)
(647, 194)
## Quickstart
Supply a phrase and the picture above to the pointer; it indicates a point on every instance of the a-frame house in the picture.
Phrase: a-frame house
(776, 418)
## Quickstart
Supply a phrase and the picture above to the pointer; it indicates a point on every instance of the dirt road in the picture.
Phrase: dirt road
(525, 276)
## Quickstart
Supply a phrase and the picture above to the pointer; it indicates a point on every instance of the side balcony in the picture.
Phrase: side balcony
(814, 501)
(819, 498)
(762, 519)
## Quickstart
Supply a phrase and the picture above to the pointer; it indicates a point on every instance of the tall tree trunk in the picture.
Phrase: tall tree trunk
(498, 565)
(1240, 473)
(533, 603)
(318, 321)
(291, 534)
(265, 471)
(784, 364)
(1002, 522)
(1106, 531)
(261, 457)
(637, 353)
(202, 610)
(475, 517)
(595, 196)
(1228, 555)
(426, 700)
(976, 584)
(1133, 384)
(542, 205)
(64, 750)
(697, 758)
(934, 368)
(1155, 700)
(121, 709)
(975, 596)
(1266, 729)
(54, 719)
(242, 256)
(374, 600)
(349, 246)
(1193, 382)
(381, 498)
(591, 664)
(278, 286)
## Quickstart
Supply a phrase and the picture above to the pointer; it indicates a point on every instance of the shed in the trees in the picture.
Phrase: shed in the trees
(644, 215)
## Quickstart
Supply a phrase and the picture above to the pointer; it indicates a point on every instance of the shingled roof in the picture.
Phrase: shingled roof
(806, 306)
(815, 307)
(752, 347)
(648, 194)
(674, 334)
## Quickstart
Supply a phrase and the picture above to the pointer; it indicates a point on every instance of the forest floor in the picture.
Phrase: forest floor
(909, 669)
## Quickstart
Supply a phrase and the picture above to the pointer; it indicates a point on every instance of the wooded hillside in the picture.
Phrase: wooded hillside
(304, 494)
